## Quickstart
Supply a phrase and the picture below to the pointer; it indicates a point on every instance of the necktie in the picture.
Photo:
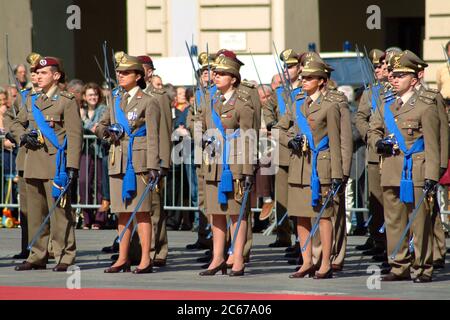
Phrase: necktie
(308, 101)
(399, 102)
(124, 102)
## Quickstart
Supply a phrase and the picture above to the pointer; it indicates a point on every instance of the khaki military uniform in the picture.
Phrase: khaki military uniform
(362, 121)
(324, 119)
(271, 112)
(203, 233)
(417, 117)
(248, 89)
(237, 113)
(339, 246)
(61, 112)
(439, 245)
(160, 246)
(8, 119)
(146, 111)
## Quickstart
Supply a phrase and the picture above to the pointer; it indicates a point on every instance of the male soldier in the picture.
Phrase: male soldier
(282, 99)
(406, 134)
(50, 129)
(159, 246)
(369, 103)
(205, 90)
(439, 247)
(9, 116)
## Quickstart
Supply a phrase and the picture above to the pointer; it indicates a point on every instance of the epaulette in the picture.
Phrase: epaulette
(248, 84)
(388, 97)
(241, 91)
(335, 96)
(67, 94)
(158, 91)
(428, 95)
(242, 97)
(300, 96)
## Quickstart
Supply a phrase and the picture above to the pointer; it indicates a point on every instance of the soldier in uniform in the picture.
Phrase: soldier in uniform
(274, 110)
(439, 246)
(406, 134)
(369, 103)
(160, 246)
(9, 116)
(133, 127)
(226, 179)
(50, 130)
(205, 91)
(312, 132)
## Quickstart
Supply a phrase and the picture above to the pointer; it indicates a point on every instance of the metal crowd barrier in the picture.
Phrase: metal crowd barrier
(178, 194)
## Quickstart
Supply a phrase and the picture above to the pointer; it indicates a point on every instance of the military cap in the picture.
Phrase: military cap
(409, 62)
(314, 56)
(316, 68)
(125, 62)
(146, 60)
(51, 62)
(290, 57)
(391, 57)
(376, 56)
(33, 59)
(128, 63)
(206, 61)
(226, 61)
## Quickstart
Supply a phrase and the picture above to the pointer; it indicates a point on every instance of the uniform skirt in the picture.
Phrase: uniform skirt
(299, 202)
(233, 205)
(118, 206)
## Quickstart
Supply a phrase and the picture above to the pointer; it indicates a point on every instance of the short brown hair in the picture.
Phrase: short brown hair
(96, 88)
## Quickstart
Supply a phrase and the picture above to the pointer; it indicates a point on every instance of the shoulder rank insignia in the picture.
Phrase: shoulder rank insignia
(67, 94)
(248, 84)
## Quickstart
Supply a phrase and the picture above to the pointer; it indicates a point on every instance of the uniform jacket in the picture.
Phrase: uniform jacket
(324, 119)
(236, 113)
(147, 112)
(61, 111)
(165, 124)
(418, 117)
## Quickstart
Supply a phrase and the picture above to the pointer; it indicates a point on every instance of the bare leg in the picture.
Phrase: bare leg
(124, 245)
(219, 228)
(238, 250)
(326, 238)
(230, 259)
(303, 230)
(145, 237)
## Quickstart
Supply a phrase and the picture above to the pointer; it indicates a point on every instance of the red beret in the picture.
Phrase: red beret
(227, 53)
(146, 60)
(47, 62)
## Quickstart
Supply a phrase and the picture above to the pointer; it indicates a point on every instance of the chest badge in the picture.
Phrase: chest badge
(132, 115)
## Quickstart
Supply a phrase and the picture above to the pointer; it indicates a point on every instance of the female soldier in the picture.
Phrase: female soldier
(312, 131)
(132, 125)
(232, 114)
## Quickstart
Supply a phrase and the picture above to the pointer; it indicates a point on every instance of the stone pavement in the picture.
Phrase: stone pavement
(267, 271)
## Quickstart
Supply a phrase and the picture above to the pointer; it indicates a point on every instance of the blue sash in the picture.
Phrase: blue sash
(280, 100)
(129, 180)
(61, 179)
(375, 93)
(24, 93)
(305, 129)
(406, 182)
(226, 179)
(199, 94)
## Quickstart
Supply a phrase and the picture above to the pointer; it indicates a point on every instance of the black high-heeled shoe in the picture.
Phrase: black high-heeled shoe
(126, 267)
(238, 273)
(326, 275)
(212, 272)
(147, 269)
